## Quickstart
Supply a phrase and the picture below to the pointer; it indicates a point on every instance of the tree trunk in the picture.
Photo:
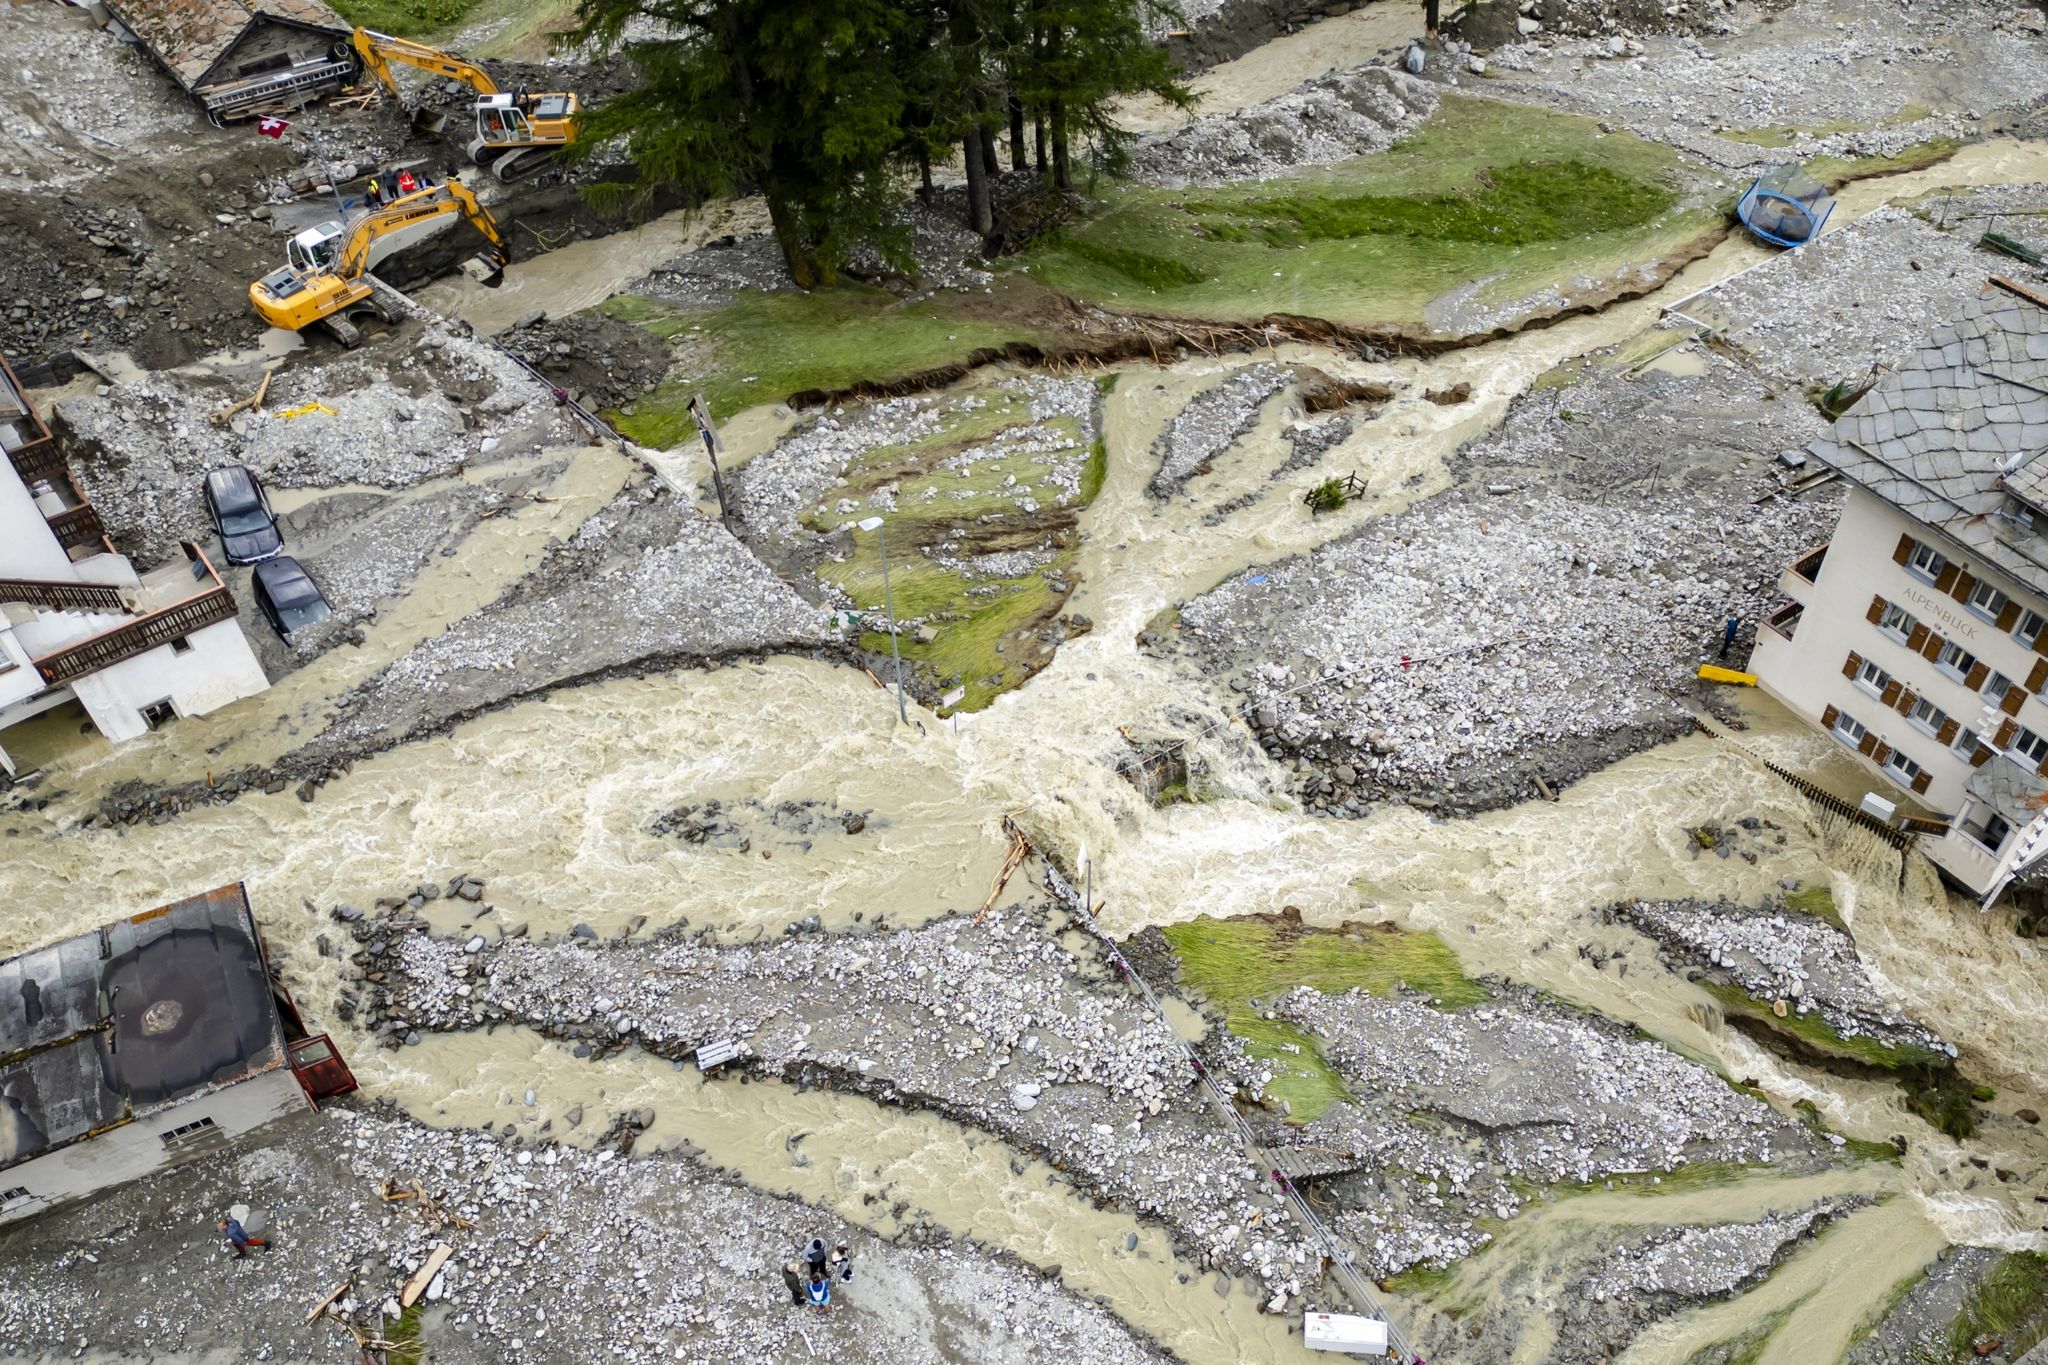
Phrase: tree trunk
(1038, 136)
(1062, 172)
(800, 256)
(924, 177)
(979, 216)
(1016, 134)
(988, 151)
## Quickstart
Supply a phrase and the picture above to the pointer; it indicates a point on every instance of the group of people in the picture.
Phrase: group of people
(382, 189)
(810, 1275)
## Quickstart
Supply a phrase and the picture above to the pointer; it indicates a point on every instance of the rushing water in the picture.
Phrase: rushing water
(550, 802)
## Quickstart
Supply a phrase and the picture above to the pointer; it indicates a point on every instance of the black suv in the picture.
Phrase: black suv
(241, 514)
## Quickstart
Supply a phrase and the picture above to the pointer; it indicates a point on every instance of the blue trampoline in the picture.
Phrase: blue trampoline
(1785, 206)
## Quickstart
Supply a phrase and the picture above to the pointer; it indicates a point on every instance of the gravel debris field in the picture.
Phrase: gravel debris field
(690, 1264)
(1537, 614)
(1330, 118)
(1007, 1025)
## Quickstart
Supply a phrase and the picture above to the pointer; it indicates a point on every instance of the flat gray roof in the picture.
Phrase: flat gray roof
(98, 1029)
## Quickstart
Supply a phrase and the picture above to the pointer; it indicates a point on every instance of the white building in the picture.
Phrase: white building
(1918, 634)
(143, 1044)
(77, 620)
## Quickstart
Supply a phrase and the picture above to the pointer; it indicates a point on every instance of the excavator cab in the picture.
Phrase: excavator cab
(315, 249)
(514, 133)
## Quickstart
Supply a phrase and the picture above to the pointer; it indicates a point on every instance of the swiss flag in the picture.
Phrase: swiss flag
(271, 127)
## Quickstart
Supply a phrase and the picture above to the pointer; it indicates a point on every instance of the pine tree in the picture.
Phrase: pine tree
(800, 100)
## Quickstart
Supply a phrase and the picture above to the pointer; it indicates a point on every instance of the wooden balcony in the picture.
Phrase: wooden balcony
(63, 594)
(212, 604)
(79, 526)
(1803, 572)
(39, 459)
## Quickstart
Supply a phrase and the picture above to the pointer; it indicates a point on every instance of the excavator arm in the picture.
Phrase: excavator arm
(379, 50)
(450, 197)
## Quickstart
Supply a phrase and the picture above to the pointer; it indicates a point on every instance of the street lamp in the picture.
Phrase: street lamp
(889, 604)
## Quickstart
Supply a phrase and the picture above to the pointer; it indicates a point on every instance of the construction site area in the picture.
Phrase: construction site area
(1413, 721)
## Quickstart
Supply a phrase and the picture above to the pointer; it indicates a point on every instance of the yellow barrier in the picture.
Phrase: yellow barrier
(1727, 675)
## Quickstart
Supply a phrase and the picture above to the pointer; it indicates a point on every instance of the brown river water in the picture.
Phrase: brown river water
(549, 802)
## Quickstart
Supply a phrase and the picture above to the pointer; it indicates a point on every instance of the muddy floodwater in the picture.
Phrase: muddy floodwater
(551, 800)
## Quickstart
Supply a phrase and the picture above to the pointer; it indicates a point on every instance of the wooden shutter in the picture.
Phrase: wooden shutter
(1981, 757)
(2006, 731)
(1891, 693)
(1920, 782)
(1880, 754)
(2008, 615)
(2039, 675)
(1947, 735)
(2042, 771)
(2014, 700)
(1852, 665)
(1916, 638)
(1961, 588)
(2041, 644)
(1867, 743)
(1974, 680)
(1876, 612)
(1829, 716)
(1905, 550)
(1945, 581)
(1930, 648)
(1903, 703)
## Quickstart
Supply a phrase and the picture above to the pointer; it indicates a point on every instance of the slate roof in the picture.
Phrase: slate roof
(1957, 426)
(2007, 788)
(187, 1007)
(189, 36)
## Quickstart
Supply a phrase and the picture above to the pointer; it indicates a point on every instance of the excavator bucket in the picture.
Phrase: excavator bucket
(486, 268)
(428, 122)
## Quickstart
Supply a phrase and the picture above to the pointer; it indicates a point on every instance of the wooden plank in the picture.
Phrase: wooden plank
(328, 1302)
(417, 1285)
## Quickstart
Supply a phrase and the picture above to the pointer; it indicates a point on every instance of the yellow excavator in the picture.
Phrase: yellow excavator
(515, 133)
(326, 276)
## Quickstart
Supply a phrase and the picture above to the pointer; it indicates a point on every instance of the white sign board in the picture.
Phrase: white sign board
(1344, 1332)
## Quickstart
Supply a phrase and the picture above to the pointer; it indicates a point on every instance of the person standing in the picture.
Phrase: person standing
(840, 1262)
(1728, 635)
(792, 1276)
(231, 1228)
(819, 1292)
(815, 1255)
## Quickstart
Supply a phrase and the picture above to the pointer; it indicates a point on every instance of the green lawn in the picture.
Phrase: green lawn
(406, 18)
(1229, 962)
(761, 348)
(1520, 197)
(1817, 1033)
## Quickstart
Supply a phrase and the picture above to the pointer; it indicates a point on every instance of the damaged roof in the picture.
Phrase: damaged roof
(190, 36)
(101, 1028)
(1962, 423)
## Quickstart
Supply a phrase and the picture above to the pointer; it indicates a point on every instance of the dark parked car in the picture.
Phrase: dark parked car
(289, 596)
(241, 514)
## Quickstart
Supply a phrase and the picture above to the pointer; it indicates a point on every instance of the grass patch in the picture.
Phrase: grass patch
(1839, 170)
(1748, 1346)
(2011, 1304)
(1816, 1033)
(1420, 1282)
(1863, 1150)
(763, 347)
(406, 18)
(1231, 962)
(1523, 198)
(1139, 267)
(1095, 471)
(405, 1337)
(1818, 901)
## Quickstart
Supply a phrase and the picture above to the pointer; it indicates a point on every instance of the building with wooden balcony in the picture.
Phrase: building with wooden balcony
(143, 1044)
(1917, 636)
(78, 623)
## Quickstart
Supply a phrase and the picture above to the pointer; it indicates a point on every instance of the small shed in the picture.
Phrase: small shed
(141, 1044)
(242, 58)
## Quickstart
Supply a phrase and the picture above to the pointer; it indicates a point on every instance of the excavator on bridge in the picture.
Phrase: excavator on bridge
(326, 276)
(516, 134)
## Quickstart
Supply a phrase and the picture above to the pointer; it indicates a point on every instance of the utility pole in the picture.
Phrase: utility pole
(889, 604)
(700, 412)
